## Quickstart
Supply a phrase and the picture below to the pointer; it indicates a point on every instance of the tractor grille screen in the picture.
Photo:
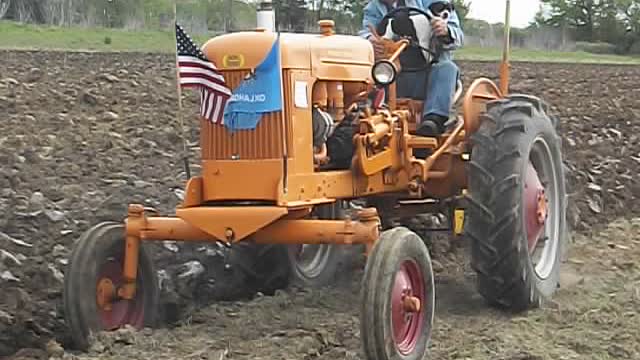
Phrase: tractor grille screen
(263, 142)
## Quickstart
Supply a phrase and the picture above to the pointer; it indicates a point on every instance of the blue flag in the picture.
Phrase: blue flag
(260, 93)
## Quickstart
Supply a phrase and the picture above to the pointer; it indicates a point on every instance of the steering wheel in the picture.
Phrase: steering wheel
(400, 28)
(428, 14)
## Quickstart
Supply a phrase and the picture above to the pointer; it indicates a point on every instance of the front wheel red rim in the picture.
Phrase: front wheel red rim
(119, 312)
(408, 306)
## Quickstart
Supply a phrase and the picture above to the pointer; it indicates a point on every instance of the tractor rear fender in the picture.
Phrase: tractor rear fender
(474, 103)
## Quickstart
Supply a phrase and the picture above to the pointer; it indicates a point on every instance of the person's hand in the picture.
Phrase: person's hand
(440, 27)
(378, 46)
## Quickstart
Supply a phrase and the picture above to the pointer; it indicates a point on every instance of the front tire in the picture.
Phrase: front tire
(95, 264)
(398, 298)
(516, 219)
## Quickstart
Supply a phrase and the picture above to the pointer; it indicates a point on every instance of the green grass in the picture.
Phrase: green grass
(492, 54)
(20, 36)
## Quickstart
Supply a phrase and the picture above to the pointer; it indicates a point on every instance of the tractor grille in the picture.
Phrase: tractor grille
(263, 142)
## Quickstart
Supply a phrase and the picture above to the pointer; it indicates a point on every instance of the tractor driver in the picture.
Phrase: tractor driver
(440, 83)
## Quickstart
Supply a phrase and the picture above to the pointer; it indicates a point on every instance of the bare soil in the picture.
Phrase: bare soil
(85, 134)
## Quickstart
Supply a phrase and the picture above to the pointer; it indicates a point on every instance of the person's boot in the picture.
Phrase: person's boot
(432, 125)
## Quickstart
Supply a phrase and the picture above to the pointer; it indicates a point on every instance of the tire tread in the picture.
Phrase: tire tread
(493, 226)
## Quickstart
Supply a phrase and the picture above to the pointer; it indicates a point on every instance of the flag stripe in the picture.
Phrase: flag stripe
(190, 75)
(194, 71)
(185, 66)
(207, 83)
(216, 112)
(209, 106)
(194, 61)
(205, 103)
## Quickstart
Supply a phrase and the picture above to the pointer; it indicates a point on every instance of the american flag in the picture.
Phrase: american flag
(195, 70)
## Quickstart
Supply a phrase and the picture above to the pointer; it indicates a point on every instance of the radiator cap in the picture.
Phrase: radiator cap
(326, 27)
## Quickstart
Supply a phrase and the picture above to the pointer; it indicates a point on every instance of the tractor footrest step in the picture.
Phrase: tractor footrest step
(422, 142)
(424, 201)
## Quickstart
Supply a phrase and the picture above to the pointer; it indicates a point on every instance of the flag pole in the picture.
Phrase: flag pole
(285, 141)
(185, 153)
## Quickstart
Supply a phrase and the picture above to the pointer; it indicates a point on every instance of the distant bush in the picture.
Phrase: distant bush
(107, 40)
(596, 48)
(634, 49)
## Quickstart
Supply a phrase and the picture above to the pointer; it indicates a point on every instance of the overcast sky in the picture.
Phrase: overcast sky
(522, 11)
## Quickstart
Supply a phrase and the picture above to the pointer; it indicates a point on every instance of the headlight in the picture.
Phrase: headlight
(384, 72)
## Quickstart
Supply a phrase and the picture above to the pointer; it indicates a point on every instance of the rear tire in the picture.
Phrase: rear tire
(398, 261)
(514, 133)
(318, 266)
(99, 254)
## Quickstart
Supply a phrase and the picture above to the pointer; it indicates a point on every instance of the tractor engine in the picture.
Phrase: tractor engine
(333, 124)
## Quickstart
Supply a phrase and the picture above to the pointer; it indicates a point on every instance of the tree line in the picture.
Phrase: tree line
(615, 24)
(217, 15)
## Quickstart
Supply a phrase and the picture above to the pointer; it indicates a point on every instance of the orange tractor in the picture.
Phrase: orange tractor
(270, 191)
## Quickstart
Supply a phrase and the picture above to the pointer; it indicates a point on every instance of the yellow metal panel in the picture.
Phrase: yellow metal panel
(340, 184)
(231, 223)
(458, 221)
(340, 57)
(299, 121)
(193, 192)
(241, 179)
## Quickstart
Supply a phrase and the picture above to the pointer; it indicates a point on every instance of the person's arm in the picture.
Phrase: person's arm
(371, 16)
(455, 32)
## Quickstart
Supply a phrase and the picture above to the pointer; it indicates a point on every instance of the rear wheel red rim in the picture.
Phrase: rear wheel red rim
(535, 196)
(541, 208)
(121, 312)
(407, 324)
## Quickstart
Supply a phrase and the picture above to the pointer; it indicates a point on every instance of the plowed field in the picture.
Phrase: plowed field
(82, 135)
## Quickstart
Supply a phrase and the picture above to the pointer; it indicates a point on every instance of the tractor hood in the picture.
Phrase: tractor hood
(338, 57)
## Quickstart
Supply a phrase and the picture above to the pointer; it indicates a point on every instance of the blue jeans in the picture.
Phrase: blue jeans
(438, 87)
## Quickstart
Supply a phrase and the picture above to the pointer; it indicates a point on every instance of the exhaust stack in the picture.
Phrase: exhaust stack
(504, 65)
(266, 16)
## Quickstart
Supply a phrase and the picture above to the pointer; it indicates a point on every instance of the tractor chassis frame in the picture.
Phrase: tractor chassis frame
(140, 227)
